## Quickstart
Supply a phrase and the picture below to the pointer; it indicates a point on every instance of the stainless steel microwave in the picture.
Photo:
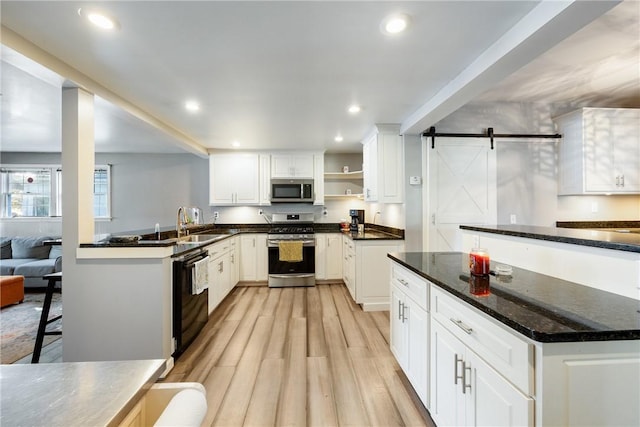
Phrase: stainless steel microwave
(292, 191)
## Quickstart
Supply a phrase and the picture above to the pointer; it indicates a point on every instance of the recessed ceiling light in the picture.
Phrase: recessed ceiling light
(192, 106)
(395, 24)
(354, 109)
(338, 138)
(99, 19)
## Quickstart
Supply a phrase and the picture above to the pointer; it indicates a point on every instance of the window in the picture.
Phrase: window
(36, 191)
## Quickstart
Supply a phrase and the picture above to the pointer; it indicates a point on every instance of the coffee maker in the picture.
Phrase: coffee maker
(357, 217)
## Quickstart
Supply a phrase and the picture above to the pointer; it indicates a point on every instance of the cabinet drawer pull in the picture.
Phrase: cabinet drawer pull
(462, 326)
(457, 377)
(404, 282)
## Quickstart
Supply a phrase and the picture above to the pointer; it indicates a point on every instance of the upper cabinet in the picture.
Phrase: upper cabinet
(234, 179)
(292, 165)
(599, 152)
(382, 156)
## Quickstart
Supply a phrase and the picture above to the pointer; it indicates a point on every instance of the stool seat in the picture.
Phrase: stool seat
(52, 279)
(11, 290)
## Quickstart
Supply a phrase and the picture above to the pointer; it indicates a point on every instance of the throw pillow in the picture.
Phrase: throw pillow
(56, 251)
(5, 248)
(29, 247)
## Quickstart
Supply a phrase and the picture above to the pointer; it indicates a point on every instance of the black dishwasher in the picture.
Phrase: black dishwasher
(190, 308)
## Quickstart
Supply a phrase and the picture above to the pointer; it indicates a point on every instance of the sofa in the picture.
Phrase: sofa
(29, 257)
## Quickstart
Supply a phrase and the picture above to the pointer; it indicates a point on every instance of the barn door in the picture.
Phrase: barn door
(461, 186)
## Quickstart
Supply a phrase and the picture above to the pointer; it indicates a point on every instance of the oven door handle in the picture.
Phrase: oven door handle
(290, 276)
(304, 242)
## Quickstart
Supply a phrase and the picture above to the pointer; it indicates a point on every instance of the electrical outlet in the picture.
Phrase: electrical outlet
(476, 241)
(512, 218)
(216, 215)
(594, 207)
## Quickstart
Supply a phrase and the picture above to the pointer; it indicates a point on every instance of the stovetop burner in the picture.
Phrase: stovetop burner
(288, 229)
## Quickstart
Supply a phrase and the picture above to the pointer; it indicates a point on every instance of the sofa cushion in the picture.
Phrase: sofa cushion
(8, 266)
(36, 268)
(56, 251)
(29, 247)
(5, 248)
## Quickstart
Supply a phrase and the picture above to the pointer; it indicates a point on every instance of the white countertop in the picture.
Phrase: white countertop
(74, 394)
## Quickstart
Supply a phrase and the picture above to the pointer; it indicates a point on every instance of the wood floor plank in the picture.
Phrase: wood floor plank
(299, 302)
(214, 350)
(380, 407)
(407, 402)
(375, 341)
(351, 329)
(236, 401)
(316, 344)
(275, 349)
(292, 410)
(242, 300)
(320, 399)
(326, 298)
(349, 406)
(271, 303)
(266, 394)
(381, 318)
(235, 348)
(216, 384)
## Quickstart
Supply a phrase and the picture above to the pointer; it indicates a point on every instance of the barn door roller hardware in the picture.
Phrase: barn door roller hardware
(488, 134)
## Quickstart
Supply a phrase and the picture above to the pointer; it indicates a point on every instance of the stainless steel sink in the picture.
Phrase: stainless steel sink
(199, 238)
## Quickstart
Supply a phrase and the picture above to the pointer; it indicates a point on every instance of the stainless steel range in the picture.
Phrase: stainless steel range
(292, 245)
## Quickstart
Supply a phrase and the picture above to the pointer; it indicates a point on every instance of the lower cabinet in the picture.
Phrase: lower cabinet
(366, 271)
(254, 263)
(466, 391)
(221, 277)
(410, 340)
(329, 256)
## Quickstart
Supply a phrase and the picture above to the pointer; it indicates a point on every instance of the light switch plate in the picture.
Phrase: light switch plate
(415, 180)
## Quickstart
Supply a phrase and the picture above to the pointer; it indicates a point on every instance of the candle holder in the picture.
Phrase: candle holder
(479, 262)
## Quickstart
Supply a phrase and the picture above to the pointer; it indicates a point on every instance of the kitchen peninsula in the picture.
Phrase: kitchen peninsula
(603, 259)
(524, 349)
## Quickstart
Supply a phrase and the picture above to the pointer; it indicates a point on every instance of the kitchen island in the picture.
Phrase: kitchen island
(74, 394)
(602, 259)
(524, 349)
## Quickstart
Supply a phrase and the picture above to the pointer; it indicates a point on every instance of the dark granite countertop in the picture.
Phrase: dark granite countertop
(628, 242)
(543, 308)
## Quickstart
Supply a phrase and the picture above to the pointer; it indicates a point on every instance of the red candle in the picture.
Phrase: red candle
(479, 262)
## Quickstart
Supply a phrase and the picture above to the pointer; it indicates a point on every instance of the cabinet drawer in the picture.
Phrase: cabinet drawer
(413, 285)
(502, 349)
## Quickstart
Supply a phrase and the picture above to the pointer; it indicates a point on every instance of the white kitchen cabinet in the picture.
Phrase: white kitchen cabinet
(383, 165)
(265, 179)
(329, 256)
(318, 179)
(220, 271)
(466, 391)
(349, 265)
(366, 270)
(253, 257)
(410, 328)
(234, 179)
(599, 152)
(292, 165)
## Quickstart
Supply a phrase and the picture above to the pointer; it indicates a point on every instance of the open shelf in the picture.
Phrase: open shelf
(343, 196)
(343, 175)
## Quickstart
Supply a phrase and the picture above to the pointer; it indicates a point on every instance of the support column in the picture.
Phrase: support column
(78, 162)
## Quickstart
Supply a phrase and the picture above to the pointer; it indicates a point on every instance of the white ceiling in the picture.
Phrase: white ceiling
(280, 75)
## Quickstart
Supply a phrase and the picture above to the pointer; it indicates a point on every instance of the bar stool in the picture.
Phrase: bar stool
(53, 278)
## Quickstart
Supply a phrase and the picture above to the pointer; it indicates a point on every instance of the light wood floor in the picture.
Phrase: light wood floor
(298, 356)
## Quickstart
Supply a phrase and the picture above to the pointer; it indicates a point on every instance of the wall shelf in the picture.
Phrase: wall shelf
(343, 175)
